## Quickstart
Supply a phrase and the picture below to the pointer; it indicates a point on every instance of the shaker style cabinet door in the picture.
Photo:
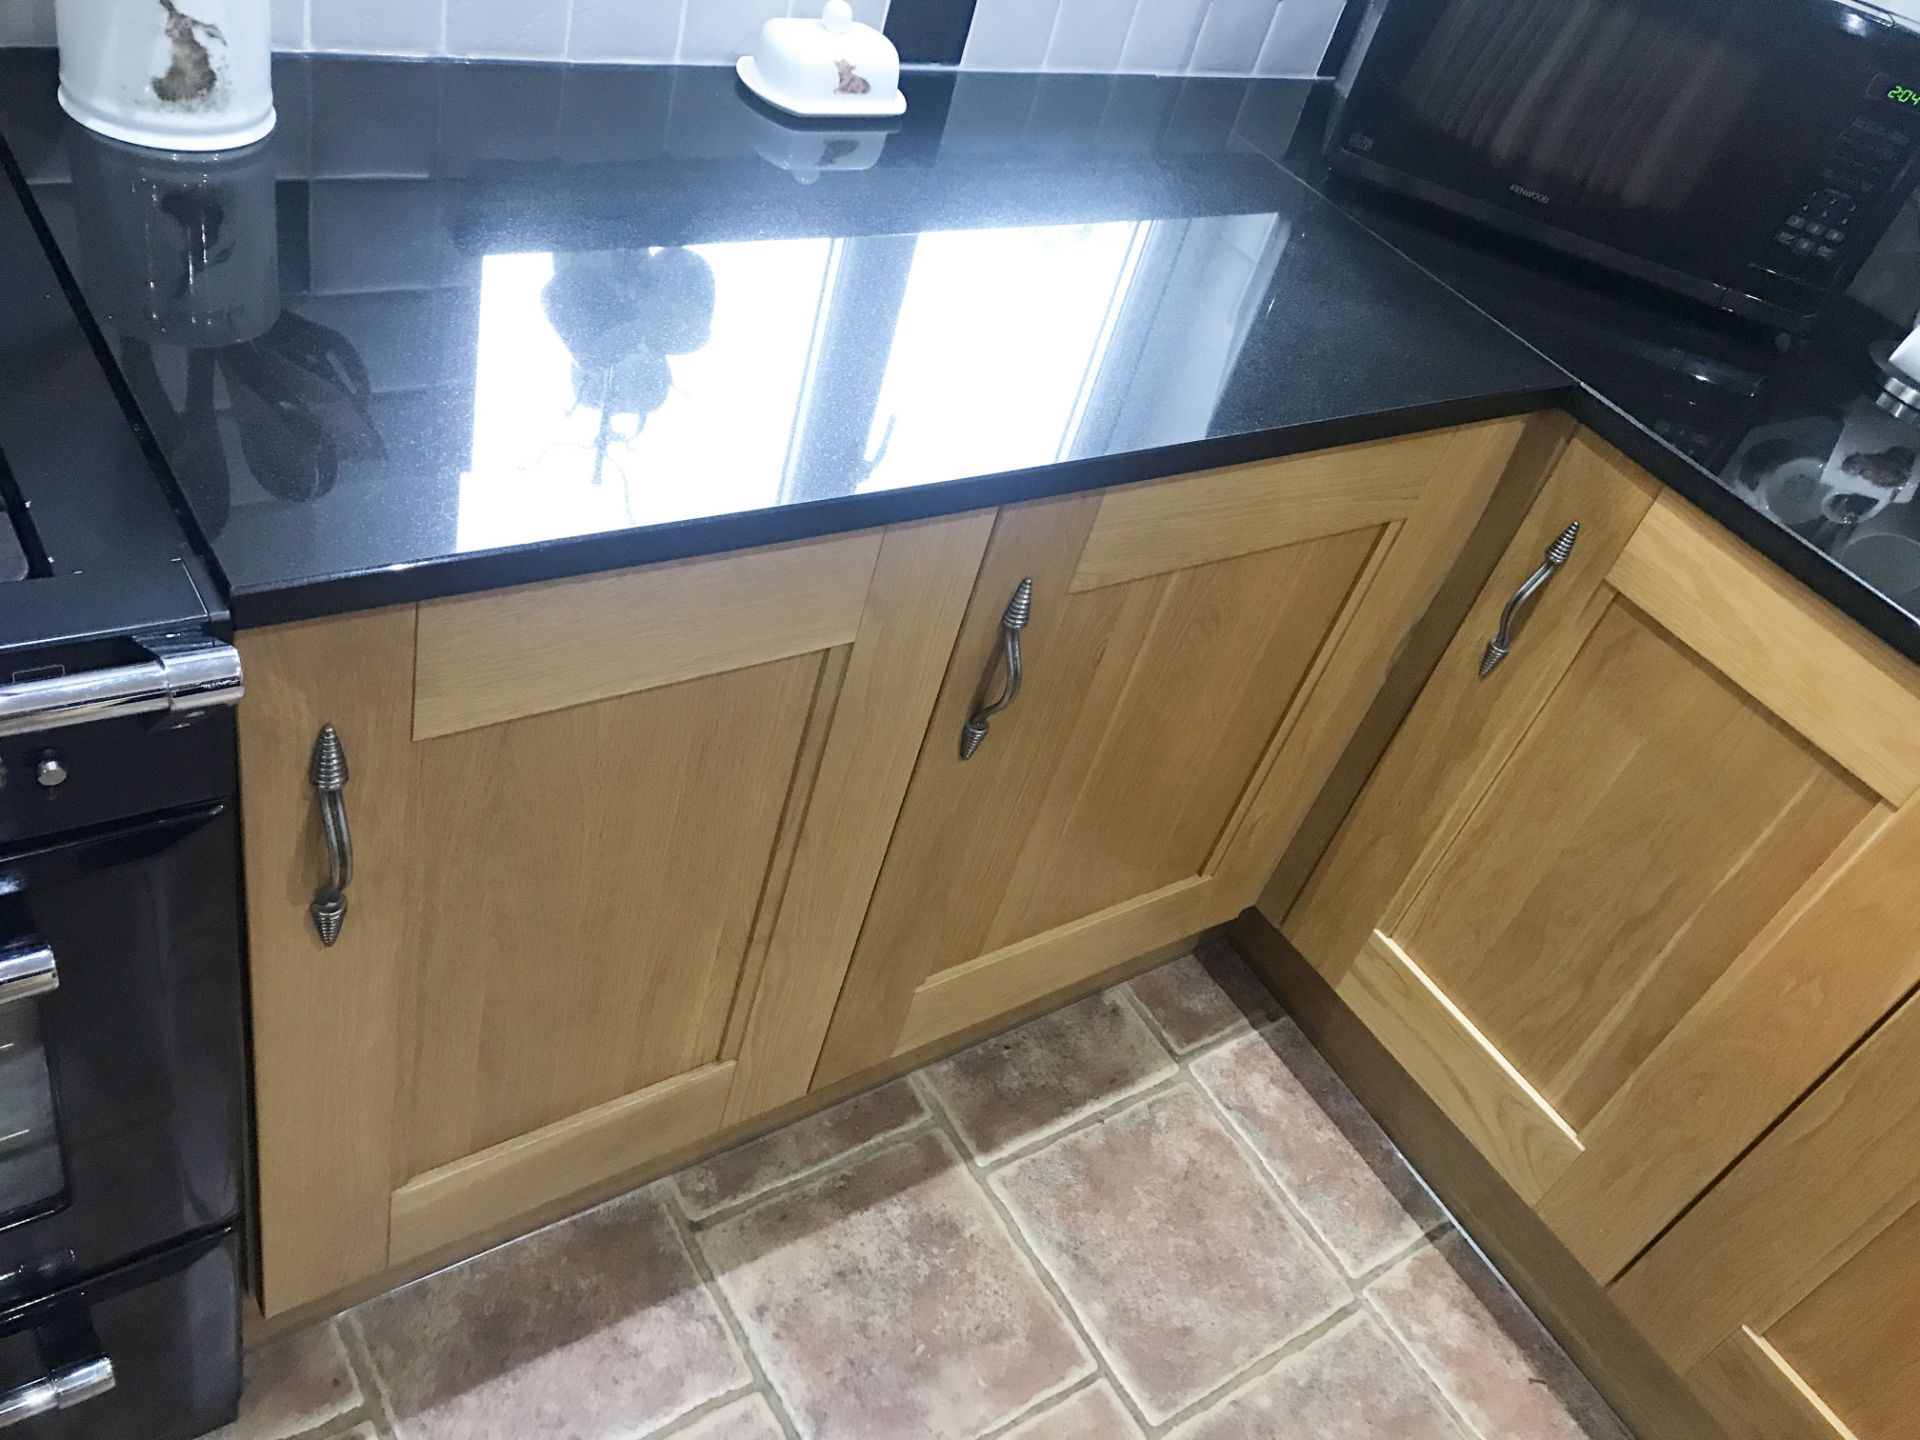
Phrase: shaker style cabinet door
(1193, 654)
(1790, 1295)
(1609, 902)
(601, 829)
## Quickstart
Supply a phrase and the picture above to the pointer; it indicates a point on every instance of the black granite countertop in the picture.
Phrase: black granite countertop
(1780, 439)
(457, 326)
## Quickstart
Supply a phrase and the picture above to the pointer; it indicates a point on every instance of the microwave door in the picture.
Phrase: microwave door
(1736, 144)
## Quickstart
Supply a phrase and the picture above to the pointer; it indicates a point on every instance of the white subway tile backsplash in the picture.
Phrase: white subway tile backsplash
(374, 27)
(1160, 40)
(1089, 34)
(26, 22)
(1010, 34)
(511, 29)
(1298, 39)
(624, 30)
(716, 32)
(1231, 31)
(289, 24)
(1164, 37)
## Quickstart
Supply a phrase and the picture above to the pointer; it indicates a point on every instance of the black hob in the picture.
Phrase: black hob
(92, 549)
(122, 1087)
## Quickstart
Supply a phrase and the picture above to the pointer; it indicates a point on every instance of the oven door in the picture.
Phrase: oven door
(150, 1351)
(120, 1042)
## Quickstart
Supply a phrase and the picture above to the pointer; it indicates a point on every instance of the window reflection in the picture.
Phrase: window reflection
(1022, 347)
(624, 387)
(1001, 334)
(633, 386)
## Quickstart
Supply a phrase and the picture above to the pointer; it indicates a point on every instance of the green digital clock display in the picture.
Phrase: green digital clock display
(1904, 95)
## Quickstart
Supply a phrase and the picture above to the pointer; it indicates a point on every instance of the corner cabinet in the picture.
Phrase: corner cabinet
(1618, 904)
(1790, 1295)
(643, 857)
(1198, 652)
(576, 811)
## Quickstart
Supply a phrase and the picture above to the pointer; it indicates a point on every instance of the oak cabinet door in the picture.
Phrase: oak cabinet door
(1790, 1295)
(1198, 651)
(604, 830)
(1606, 903)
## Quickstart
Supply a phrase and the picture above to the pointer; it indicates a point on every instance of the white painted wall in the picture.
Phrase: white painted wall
(1168, 37)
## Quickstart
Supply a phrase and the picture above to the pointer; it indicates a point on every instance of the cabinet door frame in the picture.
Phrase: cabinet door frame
(333, 1027)
(1610, 1187)
(1426, 494)
(1834, 1177)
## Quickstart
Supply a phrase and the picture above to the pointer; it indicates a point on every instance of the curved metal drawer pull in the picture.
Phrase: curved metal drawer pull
(1019, 611)
(62, 1388)
(1502, 642)
(328, 771)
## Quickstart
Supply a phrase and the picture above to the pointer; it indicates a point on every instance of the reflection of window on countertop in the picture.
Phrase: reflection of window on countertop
(1018, 348)
(561, 448)
(1000, 335)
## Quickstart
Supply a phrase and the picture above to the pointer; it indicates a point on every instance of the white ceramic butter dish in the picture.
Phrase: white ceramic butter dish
(830, 67)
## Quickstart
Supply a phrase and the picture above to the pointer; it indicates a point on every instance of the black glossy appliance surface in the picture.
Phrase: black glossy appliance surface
(167, 1321)
(122, 1075)
(1785, 439)
(1743, 152)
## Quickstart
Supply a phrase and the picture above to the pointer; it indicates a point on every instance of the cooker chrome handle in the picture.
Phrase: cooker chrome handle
(61, 1388)
(185, 674)
(328, 772)
(27, 969)
(1502, 642)
(1019, 610)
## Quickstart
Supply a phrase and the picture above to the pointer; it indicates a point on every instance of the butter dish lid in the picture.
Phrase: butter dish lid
(830, 66)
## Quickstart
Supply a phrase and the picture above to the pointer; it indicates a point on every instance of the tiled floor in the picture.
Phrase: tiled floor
(1153, 1213)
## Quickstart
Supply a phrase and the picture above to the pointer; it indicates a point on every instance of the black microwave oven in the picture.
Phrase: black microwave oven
(1748, 153)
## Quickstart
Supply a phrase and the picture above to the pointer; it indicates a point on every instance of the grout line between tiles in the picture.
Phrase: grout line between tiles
(1050, 1403)
(1258, 1365)
(1018, 1238)
(762, 1382)
(1116, 1100)
(1359, 1279)
(1127, 997)
(1293, 1344)
(363, 1412)
(1255, 1370)
(706, 1409)
(1272, 1186)
(361, 1355)
(844, 1160)
(1427, 1377)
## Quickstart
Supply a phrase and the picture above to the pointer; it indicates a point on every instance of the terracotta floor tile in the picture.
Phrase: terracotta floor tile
(1181, 1262)
(1203, 996)
(1326, 1151)
(1022, 1086)
(748, 1419)
(292, 1385)
(887, 1300)
(794, 1150)
(592, 1329)
(1093, 1414)
(1486, 1351)
(1353, 1383)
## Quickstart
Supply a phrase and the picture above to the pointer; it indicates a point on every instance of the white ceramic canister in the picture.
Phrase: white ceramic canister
(168, 74)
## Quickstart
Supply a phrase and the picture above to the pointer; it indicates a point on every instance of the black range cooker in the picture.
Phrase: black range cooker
(122, 1098)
